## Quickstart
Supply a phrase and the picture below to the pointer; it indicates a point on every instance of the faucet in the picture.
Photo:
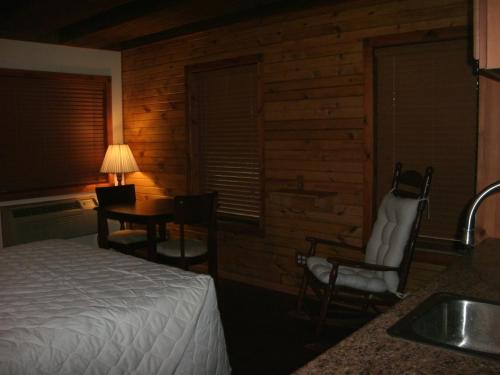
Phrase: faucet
(470, 220)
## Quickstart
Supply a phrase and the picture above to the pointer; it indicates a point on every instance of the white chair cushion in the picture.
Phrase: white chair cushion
(128, 236)
(351, 277)
(192, 248)
(386, 247)
(390, 235)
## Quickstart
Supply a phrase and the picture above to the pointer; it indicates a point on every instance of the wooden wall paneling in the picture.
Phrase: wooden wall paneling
(487, 33)
(314, 125)
(314, 83)
(395, 17)
(488, 166)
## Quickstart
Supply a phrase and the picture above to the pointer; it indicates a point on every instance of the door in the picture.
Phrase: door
(426, 115)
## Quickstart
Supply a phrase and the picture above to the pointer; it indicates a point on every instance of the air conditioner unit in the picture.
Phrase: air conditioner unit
(66, 218)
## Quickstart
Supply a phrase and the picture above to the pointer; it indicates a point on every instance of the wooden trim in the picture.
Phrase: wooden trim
(291, 290)
(240, 227)
(488, 167)
(226, 63)
(52, 75)
(370, 44)
(189, 136)
(479, 41)
(261, 135)
(369, 142)
(109, 122)
(109, 112)
(427, 36)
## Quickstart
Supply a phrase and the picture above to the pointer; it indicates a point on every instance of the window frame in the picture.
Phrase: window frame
(88, 186)
(193, 139)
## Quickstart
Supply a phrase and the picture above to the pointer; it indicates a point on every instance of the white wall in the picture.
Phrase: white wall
(54, 58)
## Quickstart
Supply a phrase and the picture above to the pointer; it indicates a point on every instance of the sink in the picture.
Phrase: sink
(455, 322)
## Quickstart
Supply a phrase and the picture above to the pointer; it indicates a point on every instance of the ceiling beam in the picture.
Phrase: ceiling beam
(113, 17)
(202, 25)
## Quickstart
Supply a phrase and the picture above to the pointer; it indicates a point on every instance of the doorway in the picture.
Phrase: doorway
(425, 114)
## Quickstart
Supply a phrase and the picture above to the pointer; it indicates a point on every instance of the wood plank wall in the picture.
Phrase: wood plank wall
(488, 215)
(314, 123)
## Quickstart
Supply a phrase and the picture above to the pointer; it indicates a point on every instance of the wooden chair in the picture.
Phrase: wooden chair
(381, 278)
(125, 239)
(199, 211)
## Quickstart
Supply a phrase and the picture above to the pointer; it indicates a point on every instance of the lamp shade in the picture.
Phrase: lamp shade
(119, 159)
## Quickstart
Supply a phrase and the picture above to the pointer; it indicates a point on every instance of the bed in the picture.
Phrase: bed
(67, 308)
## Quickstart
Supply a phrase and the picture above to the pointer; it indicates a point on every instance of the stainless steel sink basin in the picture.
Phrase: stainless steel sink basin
(456, 322)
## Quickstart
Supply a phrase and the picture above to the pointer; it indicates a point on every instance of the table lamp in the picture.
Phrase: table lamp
(119, 160)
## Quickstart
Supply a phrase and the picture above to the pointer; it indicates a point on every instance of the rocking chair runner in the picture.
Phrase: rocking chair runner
(389, 251)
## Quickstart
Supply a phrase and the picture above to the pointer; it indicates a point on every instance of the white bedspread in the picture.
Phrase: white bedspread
(66, 308)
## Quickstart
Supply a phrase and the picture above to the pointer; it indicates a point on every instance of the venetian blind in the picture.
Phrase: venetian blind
(224, 105)
(53, 130)
(426, 115)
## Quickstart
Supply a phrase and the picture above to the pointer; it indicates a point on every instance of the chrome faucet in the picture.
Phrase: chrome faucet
(470, 220)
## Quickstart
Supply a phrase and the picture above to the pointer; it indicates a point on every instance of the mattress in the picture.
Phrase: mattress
(66, 308)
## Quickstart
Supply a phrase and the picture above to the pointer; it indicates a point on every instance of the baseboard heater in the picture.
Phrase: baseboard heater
(66, 218)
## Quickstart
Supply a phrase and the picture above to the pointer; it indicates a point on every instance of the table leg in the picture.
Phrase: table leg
(102, 230)
(151, 229)
(162, 231)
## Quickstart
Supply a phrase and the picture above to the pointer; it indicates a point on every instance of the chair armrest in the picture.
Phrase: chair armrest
(316, 240)
(358, 264)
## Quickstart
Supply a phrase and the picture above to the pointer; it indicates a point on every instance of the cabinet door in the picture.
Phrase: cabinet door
(487, 33)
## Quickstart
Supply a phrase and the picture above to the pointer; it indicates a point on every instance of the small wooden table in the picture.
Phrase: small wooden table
(148, 212)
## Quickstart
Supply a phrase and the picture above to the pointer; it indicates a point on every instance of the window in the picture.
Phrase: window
(426, 115)
(225, 136)
(53, 133)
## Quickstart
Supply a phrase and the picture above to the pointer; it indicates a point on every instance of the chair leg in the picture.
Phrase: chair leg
(213, 269)
(367, 304)
(302, 291)
(324, 310)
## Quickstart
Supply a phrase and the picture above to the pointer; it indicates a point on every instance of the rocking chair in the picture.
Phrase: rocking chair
(382, 277)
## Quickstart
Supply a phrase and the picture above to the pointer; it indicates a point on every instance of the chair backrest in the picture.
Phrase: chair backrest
(115, 194)
(392, 242)
(197, 209)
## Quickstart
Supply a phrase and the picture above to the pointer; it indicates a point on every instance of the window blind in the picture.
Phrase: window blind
(54, 130)
(426, 115)
(224, 121)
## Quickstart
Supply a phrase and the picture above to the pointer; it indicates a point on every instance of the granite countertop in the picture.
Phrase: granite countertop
(371, 350)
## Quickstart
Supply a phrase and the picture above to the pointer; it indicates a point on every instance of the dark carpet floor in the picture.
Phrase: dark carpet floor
(262, 338)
